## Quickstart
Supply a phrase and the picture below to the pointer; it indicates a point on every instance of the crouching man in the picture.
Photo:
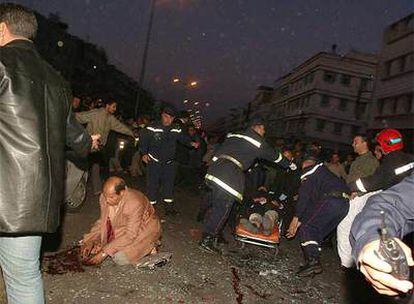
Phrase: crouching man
(128, 228)
(322, 204)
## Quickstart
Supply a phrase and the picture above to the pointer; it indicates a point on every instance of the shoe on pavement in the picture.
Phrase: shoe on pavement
(311, 268)
(207, 244)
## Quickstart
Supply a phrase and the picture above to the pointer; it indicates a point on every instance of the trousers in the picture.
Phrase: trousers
(319, 222)
(220, 204)
(344, 229)
(19, 260)
(160, 180)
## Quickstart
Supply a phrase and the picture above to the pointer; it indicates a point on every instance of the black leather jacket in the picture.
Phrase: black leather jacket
(36, 122)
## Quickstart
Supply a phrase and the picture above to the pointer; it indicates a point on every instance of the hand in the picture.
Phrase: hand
(96, 248)
(377, 271)
(146, 158)
(86, 249)
(293, 227)
(99, 257)
(195, 144)
(96, 141)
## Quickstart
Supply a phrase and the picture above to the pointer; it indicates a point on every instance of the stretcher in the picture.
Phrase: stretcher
(244, 236)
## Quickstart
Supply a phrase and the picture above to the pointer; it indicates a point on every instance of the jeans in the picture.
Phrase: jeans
(344, 229)
(19, 260)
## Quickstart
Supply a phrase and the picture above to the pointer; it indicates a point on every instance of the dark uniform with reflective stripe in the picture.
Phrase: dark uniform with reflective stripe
(159, 142)
(226, 178)
(323, 202)
(393, 168)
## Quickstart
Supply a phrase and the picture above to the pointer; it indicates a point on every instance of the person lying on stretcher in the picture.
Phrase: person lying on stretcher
(262, 214)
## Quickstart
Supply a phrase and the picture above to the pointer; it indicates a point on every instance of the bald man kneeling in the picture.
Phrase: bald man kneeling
(127, 230)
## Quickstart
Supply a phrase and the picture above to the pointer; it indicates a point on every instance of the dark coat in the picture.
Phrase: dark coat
(36, 122)
(246, 148)
(319, 184)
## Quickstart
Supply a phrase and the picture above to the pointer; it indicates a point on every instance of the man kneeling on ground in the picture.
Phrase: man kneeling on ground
(128, 228)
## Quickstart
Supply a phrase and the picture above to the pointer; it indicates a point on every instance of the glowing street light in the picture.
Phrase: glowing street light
(185, 101)
(196, 103)
(176, 80)
(193, 84)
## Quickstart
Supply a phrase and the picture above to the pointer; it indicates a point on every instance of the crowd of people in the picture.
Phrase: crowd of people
(312, 194)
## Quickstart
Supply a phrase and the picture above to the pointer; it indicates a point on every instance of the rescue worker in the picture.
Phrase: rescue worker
(397, 205)
(394, 166)
(323, 202)
(157, 145)
(225, 178)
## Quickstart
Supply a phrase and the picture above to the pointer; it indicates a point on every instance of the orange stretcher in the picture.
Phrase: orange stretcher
(270, 241)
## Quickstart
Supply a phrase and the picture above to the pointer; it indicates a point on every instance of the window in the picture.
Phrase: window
(342, 104)
(380, 106)
(407, 103)
(364, 83)
(355, 130)
(387, 69)
(308, 78)
(324, 100)
(337, 128)
(401, 63)
(306, 101)
(329, 77)
(284, 91)
(394, 103)
(311, 77)
(346, 80)
(320, 125)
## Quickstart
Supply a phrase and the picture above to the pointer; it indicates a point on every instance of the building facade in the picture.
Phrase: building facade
(325, 99)
(393, 105)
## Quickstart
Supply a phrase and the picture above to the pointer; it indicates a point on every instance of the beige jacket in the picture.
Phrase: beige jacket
(99, 121)
(136, 227)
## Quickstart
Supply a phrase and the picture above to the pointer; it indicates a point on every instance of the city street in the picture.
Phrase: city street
(249, 275)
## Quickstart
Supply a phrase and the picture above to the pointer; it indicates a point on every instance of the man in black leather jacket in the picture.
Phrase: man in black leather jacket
(36, 122)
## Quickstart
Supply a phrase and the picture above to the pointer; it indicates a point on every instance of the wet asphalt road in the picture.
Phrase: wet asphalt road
(241, 275)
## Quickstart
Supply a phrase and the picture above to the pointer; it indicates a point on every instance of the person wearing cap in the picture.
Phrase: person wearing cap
(225, 178)
(158, 146)
(323, 202)
(394, 166)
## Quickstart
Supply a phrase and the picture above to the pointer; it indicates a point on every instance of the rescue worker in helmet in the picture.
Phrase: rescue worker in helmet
(395, 165)
(225, 177)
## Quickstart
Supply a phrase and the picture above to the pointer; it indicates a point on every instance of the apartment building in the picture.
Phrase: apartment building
(393, 105)
(325, 99)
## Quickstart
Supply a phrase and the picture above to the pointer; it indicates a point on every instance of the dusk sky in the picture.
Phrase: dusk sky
(229, 46)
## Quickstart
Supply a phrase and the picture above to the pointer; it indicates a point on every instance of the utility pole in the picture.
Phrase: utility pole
(144, 59)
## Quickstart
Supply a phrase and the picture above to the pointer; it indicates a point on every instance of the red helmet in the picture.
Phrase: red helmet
(390, 140)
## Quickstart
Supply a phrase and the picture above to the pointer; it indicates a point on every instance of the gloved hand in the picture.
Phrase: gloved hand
(293, 167)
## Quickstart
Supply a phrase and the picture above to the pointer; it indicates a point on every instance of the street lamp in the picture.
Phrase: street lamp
(144, 58)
